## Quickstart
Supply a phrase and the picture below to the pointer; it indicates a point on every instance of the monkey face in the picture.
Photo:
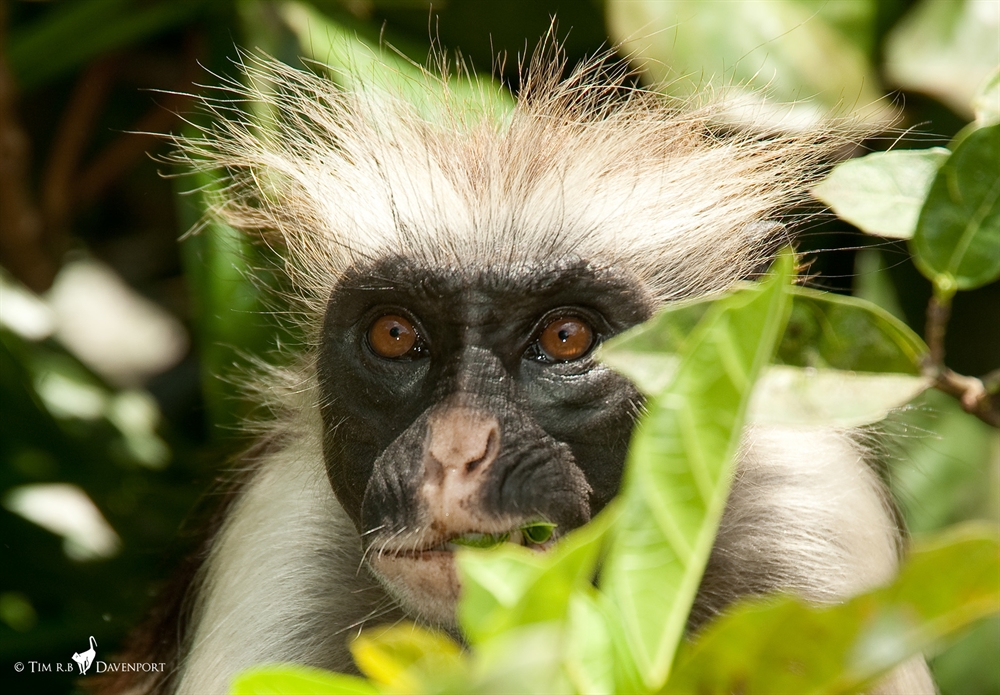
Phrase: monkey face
(460, 402)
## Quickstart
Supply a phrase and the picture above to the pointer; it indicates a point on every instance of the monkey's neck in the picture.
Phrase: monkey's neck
(283, 580)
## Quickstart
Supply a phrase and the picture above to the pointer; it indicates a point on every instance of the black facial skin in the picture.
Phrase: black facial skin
(564, 426)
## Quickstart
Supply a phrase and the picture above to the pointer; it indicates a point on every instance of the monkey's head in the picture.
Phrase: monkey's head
(460, 270)
(467, 401)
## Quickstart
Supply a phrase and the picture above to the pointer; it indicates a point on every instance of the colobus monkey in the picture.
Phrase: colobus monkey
(455, 271)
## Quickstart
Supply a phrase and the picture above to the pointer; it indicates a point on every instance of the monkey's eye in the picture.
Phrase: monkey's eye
(566, 339)
(393, 336)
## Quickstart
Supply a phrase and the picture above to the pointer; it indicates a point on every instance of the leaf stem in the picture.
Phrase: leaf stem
(978, 397)
(938, 313)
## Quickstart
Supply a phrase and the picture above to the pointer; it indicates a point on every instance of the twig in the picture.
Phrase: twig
(22, 246)
(58, 187)
(121, 154)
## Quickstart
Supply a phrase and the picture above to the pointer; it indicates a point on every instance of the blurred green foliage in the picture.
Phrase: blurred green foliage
(945, 465)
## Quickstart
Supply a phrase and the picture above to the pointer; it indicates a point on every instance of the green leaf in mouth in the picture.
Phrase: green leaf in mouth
(538, 532)
(481, 540)
(535, 533)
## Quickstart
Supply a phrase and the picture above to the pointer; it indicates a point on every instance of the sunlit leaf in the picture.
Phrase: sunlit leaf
(824, 330)
(678, 470)
(524, 659)
(361, 64)
(805, 52)
(986, 104)
(957, 242)
(818, 397)
(785, 645)
(590, 656)
(945, 48)
(882, 193)
(647, 354)
(627, 676)
(402, 657)
(842, 361)
(512, 585)
(290, 679)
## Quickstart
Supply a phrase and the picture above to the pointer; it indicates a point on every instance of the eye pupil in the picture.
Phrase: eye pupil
(566, 339)
(392, 336)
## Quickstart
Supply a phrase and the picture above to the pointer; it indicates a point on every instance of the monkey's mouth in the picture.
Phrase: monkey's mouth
(422, 576)
(537, 535)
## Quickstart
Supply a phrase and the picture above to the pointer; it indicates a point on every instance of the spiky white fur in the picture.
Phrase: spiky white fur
(583, 168)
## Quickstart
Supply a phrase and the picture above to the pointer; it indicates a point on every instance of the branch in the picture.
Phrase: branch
(972, 394)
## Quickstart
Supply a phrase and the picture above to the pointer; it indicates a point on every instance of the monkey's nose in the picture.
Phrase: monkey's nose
(461, 441)
(461, 445)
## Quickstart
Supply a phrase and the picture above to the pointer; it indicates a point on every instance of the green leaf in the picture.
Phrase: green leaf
(824, 330)
(834, 331)
(524, 659)
(815, 397)
(481, 540)
(878, 354)
(404, 657)
(786, 645)
(221, 264)
(957, 242)
(678, 471)
(799, 51)
(627, 677)
(843, 361)
(73, 33)
(290, 679)
(882, 193)
(944, 48)
(361, 64)
(646, 354)
(590, 653)
(948, 470)
(969, 664)
(872, 282)
(511, 585)
(538, 532)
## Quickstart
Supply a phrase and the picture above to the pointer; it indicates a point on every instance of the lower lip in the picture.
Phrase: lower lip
(425, 582)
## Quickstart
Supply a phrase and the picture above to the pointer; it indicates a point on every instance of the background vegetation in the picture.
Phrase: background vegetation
(107, 440)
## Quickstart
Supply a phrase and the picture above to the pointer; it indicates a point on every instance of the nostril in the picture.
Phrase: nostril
(462, 440)
(489, 452)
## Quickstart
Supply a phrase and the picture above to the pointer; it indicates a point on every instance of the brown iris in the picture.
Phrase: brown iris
(392, 336)
(566, 339)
